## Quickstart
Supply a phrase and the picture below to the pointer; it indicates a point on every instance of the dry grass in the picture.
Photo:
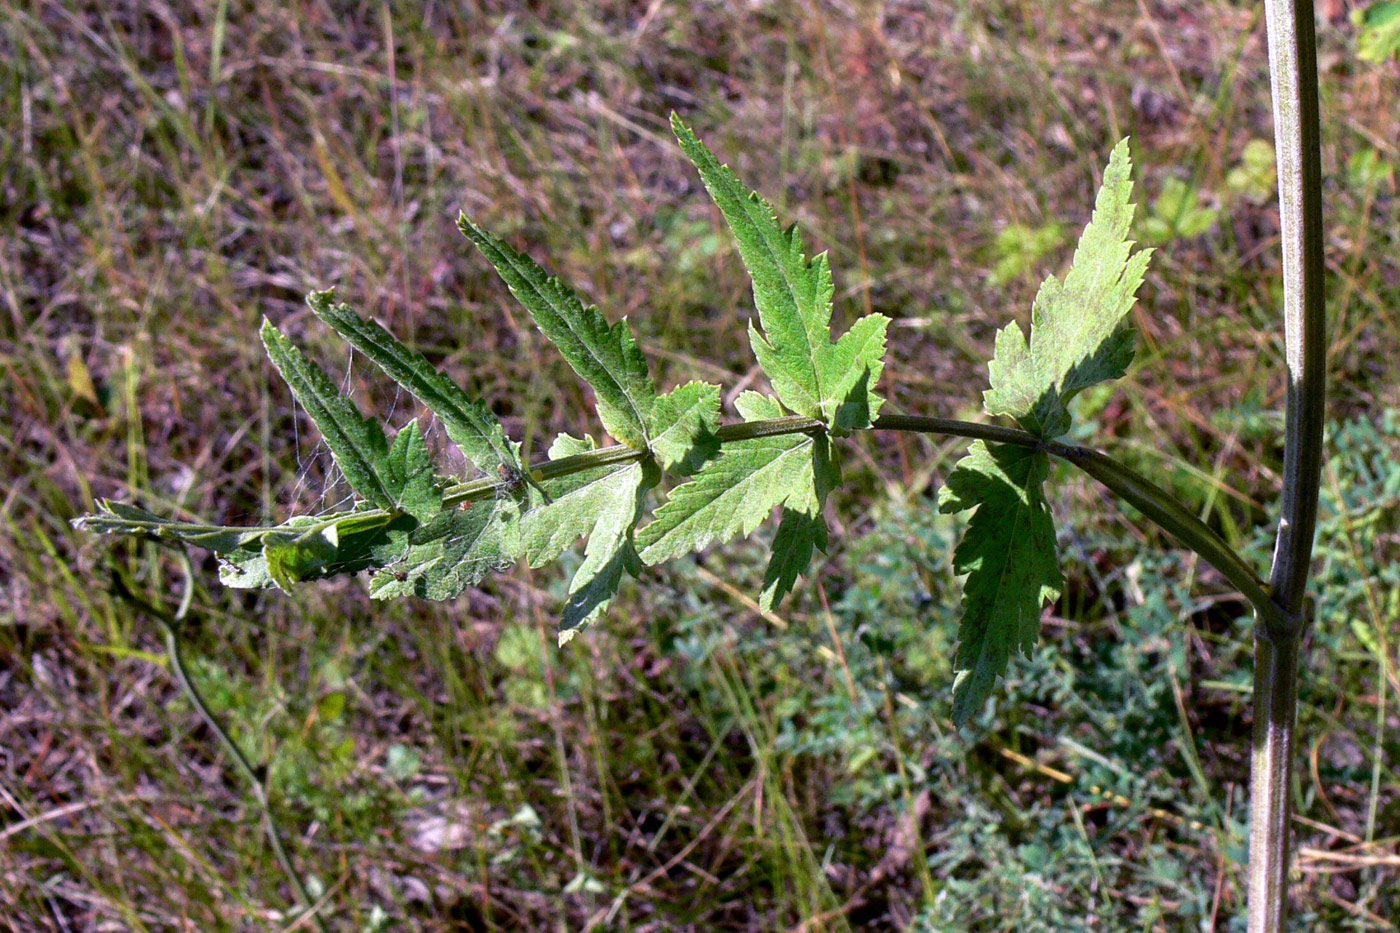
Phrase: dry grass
(171, 173)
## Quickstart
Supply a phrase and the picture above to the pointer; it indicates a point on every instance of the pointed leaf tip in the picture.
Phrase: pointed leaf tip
(1077, 334)
(356, 442)
(468, 422)
(606, 357)
(811, 374)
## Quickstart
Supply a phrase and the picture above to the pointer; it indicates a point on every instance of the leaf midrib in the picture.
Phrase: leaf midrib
(636, 411)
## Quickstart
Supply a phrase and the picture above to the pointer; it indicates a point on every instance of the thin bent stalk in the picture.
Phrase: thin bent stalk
(1277, 640)
(170, 624)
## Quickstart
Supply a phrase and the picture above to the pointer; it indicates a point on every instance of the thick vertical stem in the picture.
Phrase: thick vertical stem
(1293, 63)
(1270, 808)
(1293, 69)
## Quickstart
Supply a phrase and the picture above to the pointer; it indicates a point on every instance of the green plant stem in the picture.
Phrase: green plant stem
(1150, 499)
(748, 430)
(1153, 501)
(170, 626)
(1271, 766)
(1278, 637)
(1293, 64)
(1174, 518)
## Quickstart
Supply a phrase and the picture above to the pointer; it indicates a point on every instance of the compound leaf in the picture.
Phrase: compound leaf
(1076, 340)
(734, 492)
(452, 551)
(1008, 554)
(683, 424)
(469, 423)
(357, 443)
(811, 375)
(607, 358)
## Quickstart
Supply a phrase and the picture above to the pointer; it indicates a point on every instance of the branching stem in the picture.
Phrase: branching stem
(1132, 487)
(1278, 636)
(1154, 502)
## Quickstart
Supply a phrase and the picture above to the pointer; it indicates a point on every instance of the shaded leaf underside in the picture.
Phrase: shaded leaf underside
(1008, 553)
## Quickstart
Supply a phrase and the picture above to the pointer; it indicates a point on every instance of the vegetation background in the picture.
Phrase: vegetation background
(170, 173)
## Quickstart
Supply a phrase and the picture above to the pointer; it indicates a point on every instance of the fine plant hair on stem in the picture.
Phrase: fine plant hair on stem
(1278, 642)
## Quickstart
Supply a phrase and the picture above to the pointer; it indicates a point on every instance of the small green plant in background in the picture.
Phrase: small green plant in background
(418, 531)
(1256, 176)
(1178, 213)
(1378, 30)
(1019, 249)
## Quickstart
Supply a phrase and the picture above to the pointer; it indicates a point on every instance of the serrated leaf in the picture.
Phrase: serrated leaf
(468, 422)
(357, 443)
(408, 474)
(119, 518)
(1076, 339)
(755, 406)
(1008, 553)
(855, 364)
(603, 504)
(453, 551)
(683, 424)
(548, 529)
(811, 375)
(733, 493)
(607, 358)
(801, 529)
(607, 554)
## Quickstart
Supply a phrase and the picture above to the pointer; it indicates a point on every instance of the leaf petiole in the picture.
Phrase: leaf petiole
(1130, 486)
